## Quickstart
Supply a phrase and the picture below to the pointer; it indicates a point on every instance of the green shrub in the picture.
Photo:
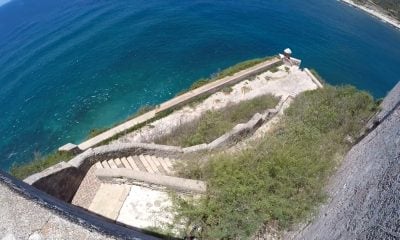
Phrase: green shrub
(213, 124)
(281, 178)
(227, 90)
(39, 163)
(274, 69)
(240, 66)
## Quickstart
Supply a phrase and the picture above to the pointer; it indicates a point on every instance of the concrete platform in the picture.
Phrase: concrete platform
(132, 205)
(145, 207)
(109, 200)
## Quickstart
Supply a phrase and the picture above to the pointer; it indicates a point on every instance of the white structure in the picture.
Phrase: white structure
(288, 59)
(287, 52)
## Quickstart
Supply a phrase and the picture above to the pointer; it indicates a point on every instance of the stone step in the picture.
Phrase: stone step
(125, 162)
(167, 167)
(138, 163)
(98, 165)
(118, 163)
(142, 163)
(132, 163)
(105, 164)
(158, 165)
(146, 164)
(112, 163)
(169, 163)
(152, 164)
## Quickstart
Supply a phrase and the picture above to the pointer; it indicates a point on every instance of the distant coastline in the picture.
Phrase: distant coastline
(378, 13)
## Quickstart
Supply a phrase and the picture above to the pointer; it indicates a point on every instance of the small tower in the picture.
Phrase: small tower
(287, 53)
(288, 59)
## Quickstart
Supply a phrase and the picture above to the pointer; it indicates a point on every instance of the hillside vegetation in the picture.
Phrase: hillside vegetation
(280, 179)
(391, 7)
(39, 163)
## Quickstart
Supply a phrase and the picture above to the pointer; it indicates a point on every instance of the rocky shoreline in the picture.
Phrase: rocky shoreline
(375, 12)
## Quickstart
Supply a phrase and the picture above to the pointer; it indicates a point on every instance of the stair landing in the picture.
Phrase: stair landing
(109, 200)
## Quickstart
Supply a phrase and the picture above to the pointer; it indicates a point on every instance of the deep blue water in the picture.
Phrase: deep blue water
(69, 66)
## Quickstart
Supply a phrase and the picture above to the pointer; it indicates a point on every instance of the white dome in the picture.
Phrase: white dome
(287, 51)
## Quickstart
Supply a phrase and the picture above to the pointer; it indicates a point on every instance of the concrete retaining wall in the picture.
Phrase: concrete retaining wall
(123, 175)
(313, 78)
(240, 131)
(63, 179)
(28, 213)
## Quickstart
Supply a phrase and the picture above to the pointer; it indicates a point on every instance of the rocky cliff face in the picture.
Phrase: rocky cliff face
(391, 7)
(364, 193)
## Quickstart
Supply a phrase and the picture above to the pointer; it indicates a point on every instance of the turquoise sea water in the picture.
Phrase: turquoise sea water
(69, 66)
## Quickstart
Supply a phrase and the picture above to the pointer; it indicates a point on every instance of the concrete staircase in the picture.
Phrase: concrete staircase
(142, 163)
(133, 187)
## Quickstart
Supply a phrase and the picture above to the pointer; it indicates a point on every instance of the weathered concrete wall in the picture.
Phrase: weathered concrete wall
(313, 78)
(240, 131)
(27, 213)
(61, 181)
(364, 194)
(123, 175)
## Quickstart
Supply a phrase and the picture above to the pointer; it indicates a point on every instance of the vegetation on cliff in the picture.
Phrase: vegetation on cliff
(39, 163)
(280, 179)
(226, 72)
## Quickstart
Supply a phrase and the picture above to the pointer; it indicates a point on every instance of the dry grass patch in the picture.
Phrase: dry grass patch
(213, 124)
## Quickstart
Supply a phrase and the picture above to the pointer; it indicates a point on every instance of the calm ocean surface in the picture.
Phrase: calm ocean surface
(69, 66)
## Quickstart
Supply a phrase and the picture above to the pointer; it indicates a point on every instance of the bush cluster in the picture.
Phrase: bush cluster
(279, 179)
